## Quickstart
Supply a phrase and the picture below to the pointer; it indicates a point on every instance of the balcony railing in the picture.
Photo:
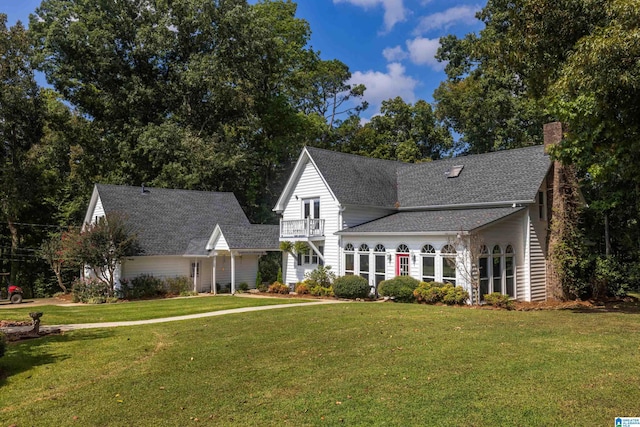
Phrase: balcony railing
(302, 228)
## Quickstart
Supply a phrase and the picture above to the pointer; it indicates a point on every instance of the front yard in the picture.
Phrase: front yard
(357, 364)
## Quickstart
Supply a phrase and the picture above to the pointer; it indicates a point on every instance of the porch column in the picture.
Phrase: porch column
(195, 276)
(233, 273)
(213, 276)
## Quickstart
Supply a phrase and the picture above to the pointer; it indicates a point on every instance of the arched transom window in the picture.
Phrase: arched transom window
(428, 263)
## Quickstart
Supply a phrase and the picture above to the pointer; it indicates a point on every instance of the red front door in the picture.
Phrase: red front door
(402, 264)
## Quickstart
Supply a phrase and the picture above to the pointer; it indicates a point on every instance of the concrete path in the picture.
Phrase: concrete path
(73, 327)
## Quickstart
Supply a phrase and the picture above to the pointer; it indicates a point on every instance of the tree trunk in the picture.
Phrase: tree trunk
(607, 241)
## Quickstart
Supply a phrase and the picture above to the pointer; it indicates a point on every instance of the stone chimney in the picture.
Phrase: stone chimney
(553, 133)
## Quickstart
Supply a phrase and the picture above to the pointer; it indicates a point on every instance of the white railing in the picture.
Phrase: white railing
(302, 228)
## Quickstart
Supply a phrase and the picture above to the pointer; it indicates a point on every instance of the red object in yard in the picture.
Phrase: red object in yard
(15, 294)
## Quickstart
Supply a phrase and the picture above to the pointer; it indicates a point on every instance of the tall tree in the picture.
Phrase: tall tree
(20, 128)
(401, 131)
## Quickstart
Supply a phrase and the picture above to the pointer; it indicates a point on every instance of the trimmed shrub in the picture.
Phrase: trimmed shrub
(258, 280)
(400, 288)
(85, 290)
(497, 299)
(143, 286)
(321, 291)
(243, 287)
(435, 292)
(263, 288)
(178, 285)
(302, 288)
(429, 292)
(351, 287)
(279, 288)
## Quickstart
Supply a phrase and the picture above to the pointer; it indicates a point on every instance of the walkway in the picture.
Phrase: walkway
(73, 327)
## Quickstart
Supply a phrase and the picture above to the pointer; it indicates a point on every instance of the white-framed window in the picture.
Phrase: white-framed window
(311, 208)
(510, 271)
(542, 206)
(428, 253)
(363, 258)
(448, 258)
(379, 263)
(402, 260)
(349, 259)
(483, 271)
(195, 269)
(496, 270)
(310, 257)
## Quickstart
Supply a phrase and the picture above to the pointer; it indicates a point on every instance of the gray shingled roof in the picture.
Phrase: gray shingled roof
(501, 176)
(253, 236)
(166, 220)
(497, 177)
(433, 221)
(356, 179)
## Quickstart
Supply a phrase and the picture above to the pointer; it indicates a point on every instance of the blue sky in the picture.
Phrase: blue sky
(387, 44)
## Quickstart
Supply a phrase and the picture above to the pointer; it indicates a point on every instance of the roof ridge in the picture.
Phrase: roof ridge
(162, 188)
(396, 162)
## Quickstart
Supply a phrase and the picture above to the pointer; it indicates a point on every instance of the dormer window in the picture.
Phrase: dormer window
(454, 171)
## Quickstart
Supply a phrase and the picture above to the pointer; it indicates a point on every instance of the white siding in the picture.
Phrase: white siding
(311, 185)
(161, 267)
(537, 260)
(98, 212)
(164, 267)
(511, 231)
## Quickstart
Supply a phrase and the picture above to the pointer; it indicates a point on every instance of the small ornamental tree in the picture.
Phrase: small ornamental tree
(51, 251)
(101, 246)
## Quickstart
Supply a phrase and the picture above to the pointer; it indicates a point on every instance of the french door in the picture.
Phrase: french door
(402, 264)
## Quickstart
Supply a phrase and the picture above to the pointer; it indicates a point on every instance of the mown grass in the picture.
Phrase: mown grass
(137, 310)
(357, 364)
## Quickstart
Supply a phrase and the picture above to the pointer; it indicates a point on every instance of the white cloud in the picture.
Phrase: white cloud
(443, 20)
(422, 51)
(394, 54)
(394, 10)
(382, 86)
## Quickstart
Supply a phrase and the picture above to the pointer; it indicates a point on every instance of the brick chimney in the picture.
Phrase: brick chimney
(553, 133)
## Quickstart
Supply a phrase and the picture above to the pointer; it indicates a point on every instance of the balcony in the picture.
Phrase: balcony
(302, 229)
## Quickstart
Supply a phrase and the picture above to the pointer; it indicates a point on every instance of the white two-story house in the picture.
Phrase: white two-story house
(380, 219)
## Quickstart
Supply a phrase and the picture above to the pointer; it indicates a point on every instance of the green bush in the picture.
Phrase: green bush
(263, 288)
(90, 289)
(258, 280)
(279, 288)
(178, 285)
(321, 276)
(3, 344)
(143, 286)
(243, 287)
(400, 288)
(351, 287)
(497, 299)
(435, 292)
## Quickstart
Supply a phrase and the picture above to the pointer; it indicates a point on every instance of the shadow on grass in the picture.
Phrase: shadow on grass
(22, 356)
(624, 307)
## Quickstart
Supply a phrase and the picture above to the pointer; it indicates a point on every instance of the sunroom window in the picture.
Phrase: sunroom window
(448, 253)
(349, 256)
(428, 263)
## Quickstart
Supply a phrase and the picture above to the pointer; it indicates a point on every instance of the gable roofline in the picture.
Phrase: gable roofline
(295, 176)
(88, 216)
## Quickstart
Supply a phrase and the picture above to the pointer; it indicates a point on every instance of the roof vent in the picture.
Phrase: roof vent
(454, 171)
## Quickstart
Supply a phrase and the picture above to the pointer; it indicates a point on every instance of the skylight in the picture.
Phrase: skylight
(454, 171)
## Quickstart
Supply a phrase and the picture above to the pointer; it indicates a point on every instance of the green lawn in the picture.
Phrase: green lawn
(138, 310)
(357, 364)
